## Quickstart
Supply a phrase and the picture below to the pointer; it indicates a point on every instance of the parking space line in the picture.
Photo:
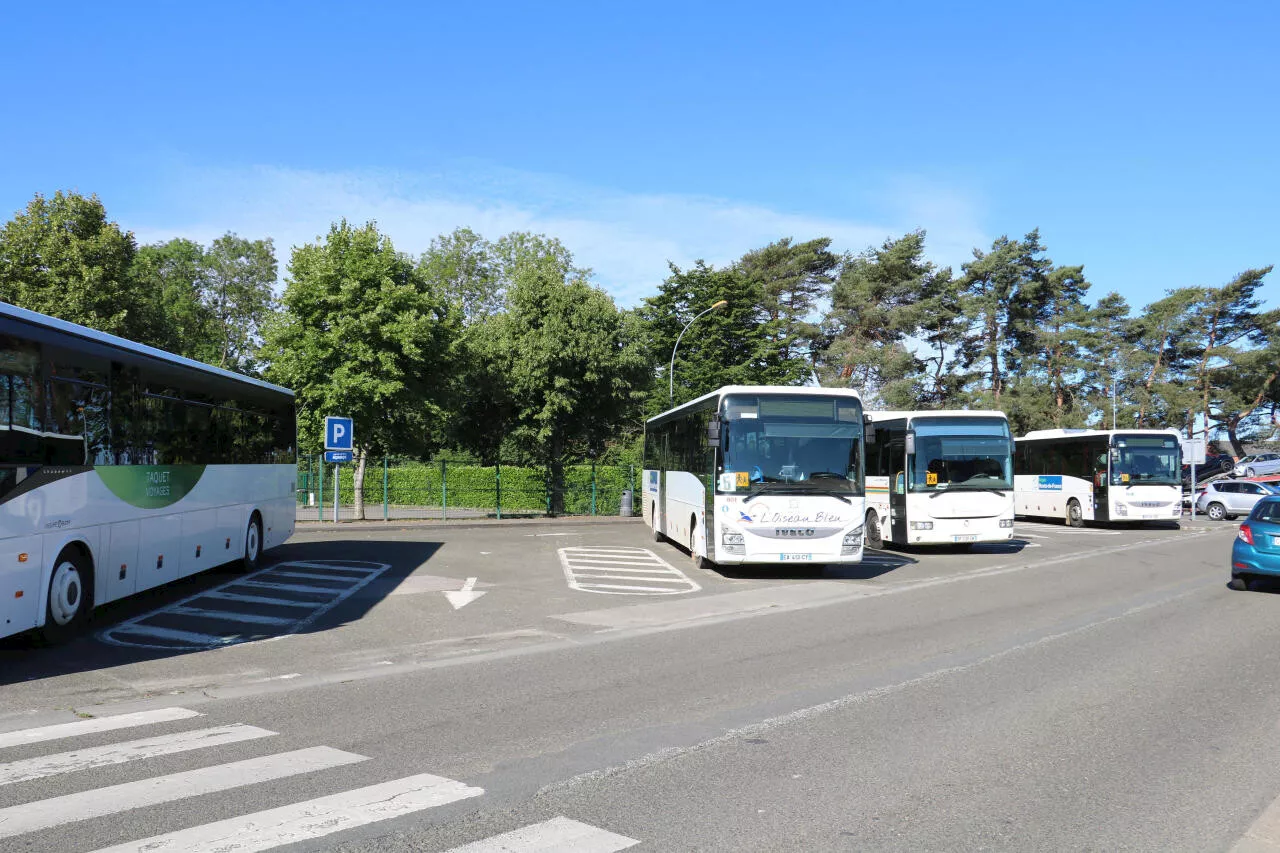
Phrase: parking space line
(585, 568)
(559, 833)
(59, 731)
(275, 613)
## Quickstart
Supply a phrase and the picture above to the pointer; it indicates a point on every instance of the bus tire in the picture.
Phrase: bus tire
(70, 596)
(871, 528)
(657, 534)
(1075, 517)
(252, 544)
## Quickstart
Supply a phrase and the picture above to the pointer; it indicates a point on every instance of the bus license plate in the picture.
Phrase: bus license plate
(785, 557)
(965, 537)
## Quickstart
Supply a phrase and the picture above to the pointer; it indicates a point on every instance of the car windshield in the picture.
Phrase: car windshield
(961, 453)
(791, 443)
(1149, 460)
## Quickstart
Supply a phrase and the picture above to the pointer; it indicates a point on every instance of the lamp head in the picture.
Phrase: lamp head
(721, 304)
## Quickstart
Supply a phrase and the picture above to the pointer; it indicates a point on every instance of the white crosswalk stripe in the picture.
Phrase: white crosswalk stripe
(602, 570)
(263, 830)
(552, 836)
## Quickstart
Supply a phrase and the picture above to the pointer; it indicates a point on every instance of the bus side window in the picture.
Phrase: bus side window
(900, 483)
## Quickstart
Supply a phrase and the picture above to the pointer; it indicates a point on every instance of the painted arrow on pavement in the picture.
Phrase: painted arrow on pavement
(465, 596)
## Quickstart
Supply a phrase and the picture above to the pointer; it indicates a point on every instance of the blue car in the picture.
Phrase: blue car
(1256, 551)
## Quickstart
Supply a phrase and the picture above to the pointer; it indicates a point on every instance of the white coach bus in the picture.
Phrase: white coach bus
(1082, 475)
(758, 474)
(123, 467)
(939, 477)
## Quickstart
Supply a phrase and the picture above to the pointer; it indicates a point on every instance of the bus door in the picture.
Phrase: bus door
(898, 492)
(1101, 484)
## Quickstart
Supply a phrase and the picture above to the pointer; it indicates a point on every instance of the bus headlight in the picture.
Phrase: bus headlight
(852, 541)
(1006, 522)
(922, 525)
(731, 538)
(731, 544)
(1121, 509)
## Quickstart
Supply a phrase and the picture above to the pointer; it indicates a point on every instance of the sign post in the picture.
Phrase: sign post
(339, 445)
(1193, 452)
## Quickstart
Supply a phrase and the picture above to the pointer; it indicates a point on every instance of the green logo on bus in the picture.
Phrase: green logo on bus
(150, 486)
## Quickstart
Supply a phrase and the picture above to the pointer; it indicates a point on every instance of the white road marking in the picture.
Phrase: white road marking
(584, 568)
(119, 753)
(293, 615)
(95, 725)
(461, 598)
(44, 814)
(551, 836)
(1263, 835)
(310, 819)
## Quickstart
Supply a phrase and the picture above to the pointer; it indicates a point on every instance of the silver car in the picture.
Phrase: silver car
(1229, 498)
(1257, 464)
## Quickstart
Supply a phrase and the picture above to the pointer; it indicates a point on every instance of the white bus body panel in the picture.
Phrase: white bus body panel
(148, 546)
(789, 528)
(972, 516)
(1145, 503)
(1047, 495)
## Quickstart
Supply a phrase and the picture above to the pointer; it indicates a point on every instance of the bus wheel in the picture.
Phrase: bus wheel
(699, 562)
(657, 534)
(252, 544)
(871, 529)
(70, 596)
(1075, 517)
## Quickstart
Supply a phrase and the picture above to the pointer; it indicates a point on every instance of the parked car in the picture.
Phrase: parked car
(1229, 498)
(1257, 464)
(1256, 551)
(1212, 467)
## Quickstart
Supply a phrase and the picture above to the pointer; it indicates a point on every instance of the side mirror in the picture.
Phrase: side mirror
(713, 433)
(911, 443)
(869, 429)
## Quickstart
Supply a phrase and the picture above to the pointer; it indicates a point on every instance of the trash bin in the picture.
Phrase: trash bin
(624, 506)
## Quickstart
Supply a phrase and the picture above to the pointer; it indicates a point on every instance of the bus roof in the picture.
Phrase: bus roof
(1086, 433)
(76, 330)
(790, 390)
(876, 417)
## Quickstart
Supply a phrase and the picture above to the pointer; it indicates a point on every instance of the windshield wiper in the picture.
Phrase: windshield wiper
(831, 492)
(760, 489)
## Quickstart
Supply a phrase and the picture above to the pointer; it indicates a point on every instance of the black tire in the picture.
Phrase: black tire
(657, 534)
(1075, 516)
(699, 562)
(1240, 583)
(871, 531)
(1216, 511)
(252, 545)
(70, 598)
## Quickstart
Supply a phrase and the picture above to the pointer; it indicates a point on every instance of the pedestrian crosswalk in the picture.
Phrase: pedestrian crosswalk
(37, 821)
(623, 571)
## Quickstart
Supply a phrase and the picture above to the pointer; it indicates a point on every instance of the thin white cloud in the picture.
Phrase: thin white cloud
(626, 238)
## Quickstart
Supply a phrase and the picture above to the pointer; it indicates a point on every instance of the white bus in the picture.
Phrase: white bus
(940, 477)
(1082, 475)
(758, 474)
(123, 467)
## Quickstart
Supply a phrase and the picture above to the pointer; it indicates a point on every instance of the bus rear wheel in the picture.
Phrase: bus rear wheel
(657, 532)
(70, 596)
(871, 528)
(252, 544)
(1075, 517)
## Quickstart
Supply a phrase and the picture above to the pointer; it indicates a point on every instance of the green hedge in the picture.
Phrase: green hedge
(524, 490)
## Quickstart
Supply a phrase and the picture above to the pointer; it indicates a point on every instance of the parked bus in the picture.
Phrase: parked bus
(123, 467)
(758, 474)
(941, 477)
(1082, 475)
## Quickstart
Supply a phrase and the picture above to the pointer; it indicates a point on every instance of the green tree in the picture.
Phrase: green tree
(362, 334)
(876, 305)
(172, 276)
(62, 257)
(1161, 356)
(736, 345)
(572, 375)
(238, 276)
(465, 267)
(792, 278)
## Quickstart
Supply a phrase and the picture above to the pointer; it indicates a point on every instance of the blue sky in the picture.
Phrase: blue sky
(1140, 138)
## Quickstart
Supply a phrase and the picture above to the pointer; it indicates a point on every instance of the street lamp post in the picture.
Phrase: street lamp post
(671, 371)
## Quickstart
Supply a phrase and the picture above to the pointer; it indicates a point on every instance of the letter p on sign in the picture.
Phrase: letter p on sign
(338, 434)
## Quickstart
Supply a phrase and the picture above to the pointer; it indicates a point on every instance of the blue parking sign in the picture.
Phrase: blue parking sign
(338, 433)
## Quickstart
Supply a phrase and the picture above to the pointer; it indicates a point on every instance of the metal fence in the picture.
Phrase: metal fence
(455, 490)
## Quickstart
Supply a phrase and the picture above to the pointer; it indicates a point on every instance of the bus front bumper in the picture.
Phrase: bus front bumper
(951, 531)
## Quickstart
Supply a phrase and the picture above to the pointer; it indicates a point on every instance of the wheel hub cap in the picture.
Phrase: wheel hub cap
(64, 593)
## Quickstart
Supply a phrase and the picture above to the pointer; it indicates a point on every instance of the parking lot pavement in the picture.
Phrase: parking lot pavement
(351, 601)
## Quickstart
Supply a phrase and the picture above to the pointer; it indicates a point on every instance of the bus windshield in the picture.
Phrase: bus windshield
(1147, 460)
(961, 453)
(796, 443)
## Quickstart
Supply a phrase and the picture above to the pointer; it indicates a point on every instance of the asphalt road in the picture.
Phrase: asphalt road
(578, 686)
